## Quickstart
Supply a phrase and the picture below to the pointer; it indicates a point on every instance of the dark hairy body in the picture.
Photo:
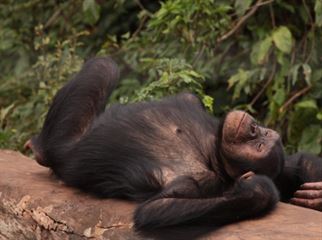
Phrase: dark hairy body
(182, 164)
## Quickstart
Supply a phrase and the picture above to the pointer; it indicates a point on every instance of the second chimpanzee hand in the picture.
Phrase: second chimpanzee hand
(309, 195)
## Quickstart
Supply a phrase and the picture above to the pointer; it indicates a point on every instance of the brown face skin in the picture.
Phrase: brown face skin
(246, 146)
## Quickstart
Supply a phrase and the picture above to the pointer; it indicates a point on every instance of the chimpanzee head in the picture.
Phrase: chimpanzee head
(246, 146)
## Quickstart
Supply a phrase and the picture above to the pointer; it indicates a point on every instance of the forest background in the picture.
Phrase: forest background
(261, 56)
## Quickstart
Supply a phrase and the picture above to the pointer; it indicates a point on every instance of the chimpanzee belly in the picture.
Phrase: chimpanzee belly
(146, 137)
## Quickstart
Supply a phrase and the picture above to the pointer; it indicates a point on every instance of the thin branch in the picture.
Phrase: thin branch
(311, 30)
(138, 30)
(294, 97)
(270, 79)
(291, 64)
(271, 11)
(265, 3)
(198, 56)
(312, 45)
(307, 11)
(53, 18)
(138, 2)
(224, 55)
(243, 19)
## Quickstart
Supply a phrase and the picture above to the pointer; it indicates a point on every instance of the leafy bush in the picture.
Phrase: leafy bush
(33, 93)
(262, 56)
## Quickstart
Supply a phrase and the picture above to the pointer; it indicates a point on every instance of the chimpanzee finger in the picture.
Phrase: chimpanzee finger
(308, 194)
(247, 175)
(309, 203)
(311, 186)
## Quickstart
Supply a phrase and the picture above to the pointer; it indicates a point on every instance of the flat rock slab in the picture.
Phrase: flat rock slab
(35, 205)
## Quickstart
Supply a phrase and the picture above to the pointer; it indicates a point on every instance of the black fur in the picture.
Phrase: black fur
(164, 153)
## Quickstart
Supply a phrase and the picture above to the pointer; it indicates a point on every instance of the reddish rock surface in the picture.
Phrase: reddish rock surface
(35, 205)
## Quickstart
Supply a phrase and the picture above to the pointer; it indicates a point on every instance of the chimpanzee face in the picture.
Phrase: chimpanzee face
(246, 146)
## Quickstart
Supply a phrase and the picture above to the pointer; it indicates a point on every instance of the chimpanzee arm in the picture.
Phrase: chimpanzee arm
(183, 202)
(302, 180)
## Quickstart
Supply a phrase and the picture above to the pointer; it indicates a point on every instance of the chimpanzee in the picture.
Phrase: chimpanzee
(182, 164)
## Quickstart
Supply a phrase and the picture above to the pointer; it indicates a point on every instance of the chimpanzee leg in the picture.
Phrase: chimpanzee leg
(181, 202)
(75, 106)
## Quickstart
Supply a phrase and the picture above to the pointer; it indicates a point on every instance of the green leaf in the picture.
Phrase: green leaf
(7, 37)
(311, 139)
(91, 11)
(319, 116)
(294, 72)
(307, 71)
(307, 104)
(241, 6)
(303, 13)
(279, 96)
(260, 50)
(4, 112)
(22, 63)
(286, 5)
(208, 102)
(282, 38)
(239, 80)
(194, 74)
(185, 77)
(318, 12)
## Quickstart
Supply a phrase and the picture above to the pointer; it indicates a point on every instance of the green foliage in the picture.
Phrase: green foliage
(242, 6)
(241, 81)
(170, 76)
(260, 51)
(91, 11)
(260, 56)
(32, 93)
(191, 21)
(318, 12)
(311, 139)
(282, 38)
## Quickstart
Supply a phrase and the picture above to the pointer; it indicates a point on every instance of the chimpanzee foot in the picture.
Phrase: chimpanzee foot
(31, 145)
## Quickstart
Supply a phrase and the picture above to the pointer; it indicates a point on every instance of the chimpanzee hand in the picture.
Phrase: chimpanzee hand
(309, 195)
(257, 190)
(254, 183)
